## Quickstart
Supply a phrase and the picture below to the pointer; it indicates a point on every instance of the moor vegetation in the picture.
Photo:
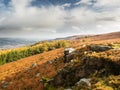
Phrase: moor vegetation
(94, 65)
(18, 53)
(93, 68)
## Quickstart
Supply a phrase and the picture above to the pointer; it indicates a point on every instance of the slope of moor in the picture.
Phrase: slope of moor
(26, 74)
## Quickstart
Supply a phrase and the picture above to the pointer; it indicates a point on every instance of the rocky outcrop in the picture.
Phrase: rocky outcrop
(80, 75)
(100, 48)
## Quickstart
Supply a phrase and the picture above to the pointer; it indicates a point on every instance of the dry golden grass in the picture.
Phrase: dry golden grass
(16, 72)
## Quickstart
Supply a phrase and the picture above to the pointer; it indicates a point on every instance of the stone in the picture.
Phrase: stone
(34, 65)
(72, 61)
(85, 52)
(84, 81)
(37, 75)
(5, 84)
(84, 45)
(100, 48)
(68, 51)
(50, 62)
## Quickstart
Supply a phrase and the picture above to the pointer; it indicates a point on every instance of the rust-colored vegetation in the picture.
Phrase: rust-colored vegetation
(46, 71)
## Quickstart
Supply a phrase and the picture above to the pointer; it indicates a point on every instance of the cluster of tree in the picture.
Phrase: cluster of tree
(18, 53)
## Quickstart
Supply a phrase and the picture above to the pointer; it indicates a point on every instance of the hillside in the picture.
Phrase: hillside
(47, 71)
(114, 35)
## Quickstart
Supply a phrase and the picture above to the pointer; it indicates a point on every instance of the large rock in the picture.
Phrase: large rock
(99, 48)
(69, 54)
(83, 84)
(68, 50)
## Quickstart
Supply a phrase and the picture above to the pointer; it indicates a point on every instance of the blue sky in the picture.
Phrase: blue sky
(58, 18)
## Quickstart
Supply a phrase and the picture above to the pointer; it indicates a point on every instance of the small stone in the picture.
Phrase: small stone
(2, 82)
(5, 84)
(37, 75)
(84, 81)
(34, 65)
(84, 45)
(72, 61)
(85, 52)
(50, 62)
(68, 51)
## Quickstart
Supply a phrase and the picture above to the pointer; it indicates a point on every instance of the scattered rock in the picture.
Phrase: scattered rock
(84, 45)
(34, 65)
(68, 51)
(83, 84)
(85, 52)
(50, 62)
(37, 75)
(5, 84)
(84, 81)
(99, 48)
(72, 61)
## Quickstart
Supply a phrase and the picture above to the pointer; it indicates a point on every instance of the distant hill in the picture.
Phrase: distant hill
(113, 35)
(72, 37)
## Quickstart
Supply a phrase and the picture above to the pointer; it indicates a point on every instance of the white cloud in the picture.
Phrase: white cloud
(107, 3)
(99, 26)
(2, 19)
(56, 21)
(75, 28)
(78, 3)
(83, 2)
(25, 16)
(66, 5)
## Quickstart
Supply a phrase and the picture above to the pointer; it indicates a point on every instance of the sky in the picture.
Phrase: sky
(58, 18)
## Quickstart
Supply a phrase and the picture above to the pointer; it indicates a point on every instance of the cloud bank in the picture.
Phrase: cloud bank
(21, 19)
